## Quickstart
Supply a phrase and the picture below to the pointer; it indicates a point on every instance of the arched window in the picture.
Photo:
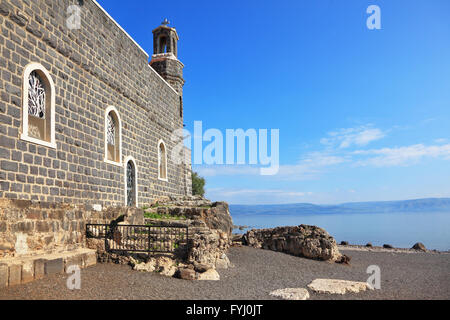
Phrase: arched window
(162, 161)
(113, 136)
(38, 111)
(131, 185)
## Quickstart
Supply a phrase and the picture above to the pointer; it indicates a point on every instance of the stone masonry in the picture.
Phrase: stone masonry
(93, 67)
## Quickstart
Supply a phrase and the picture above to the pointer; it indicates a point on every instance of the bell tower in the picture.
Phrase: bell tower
(165, 56)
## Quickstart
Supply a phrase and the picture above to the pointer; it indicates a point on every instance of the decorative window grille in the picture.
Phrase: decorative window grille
(36, 96)
(111, 130)
(130, 184)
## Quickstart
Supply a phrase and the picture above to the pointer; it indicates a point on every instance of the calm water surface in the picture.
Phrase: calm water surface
(401, 230)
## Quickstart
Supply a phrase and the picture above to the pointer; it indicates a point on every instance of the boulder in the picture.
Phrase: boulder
(187, 274)
(388, 246)
(237, 238)
(291, 294)
(332, 286)
(369, 245)
(219, 218)
(305, 241)
(420, 247)
(344, 243)
(201, 267)
(344, 259)
(144, 267)
(210, 275)
(223, 262)
(165, 266)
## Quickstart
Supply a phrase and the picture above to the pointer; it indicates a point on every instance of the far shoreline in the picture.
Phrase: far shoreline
(364, 248)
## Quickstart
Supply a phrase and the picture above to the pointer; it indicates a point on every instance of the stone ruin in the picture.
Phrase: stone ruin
(210, 228)
(40, 238)
(304, 241)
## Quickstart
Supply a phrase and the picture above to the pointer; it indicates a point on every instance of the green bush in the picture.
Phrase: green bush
(198, 185)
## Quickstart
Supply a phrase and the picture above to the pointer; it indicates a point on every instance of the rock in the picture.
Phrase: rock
(306, 241)
(201, 267)
(388, 246)
(207, 246)
(332, 286)
(344, 260)
(237, 238)
(344, 243)
(165, 266)
(369, 245)
(168, 271)
(223, 262)
(420, 247)
(149, 266)
(291, 294)
(210, 275)
(219, 218)
(187, 274)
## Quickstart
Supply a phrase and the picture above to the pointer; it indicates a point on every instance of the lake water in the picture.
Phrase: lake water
(402, 230)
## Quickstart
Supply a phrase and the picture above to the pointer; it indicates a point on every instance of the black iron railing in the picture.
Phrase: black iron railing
(140, 238)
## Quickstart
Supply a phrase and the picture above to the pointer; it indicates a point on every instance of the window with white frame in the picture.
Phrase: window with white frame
(162, 161)
(113, 136)
(38, 114)
(131, 184)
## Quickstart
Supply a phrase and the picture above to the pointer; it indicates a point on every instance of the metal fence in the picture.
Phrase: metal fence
(140, 238)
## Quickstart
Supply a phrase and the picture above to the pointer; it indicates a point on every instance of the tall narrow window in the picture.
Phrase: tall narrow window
(131, 185)
(181, 106)
(38, 106)
(113, 136)
(162, 161)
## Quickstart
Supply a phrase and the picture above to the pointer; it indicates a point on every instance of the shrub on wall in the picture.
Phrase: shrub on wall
(198, 185)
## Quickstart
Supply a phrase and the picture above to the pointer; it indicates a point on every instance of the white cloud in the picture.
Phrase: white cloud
(306, 169)
(227, 170)
(336, 152)
(310, 166)
(257, 196)
(402, 155)
(359, 136)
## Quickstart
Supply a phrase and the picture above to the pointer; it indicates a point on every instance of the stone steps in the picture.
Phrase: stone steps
(21, 270)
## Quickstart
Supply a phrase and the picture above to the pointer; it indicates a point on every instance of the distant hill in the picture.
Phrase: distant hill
(419, 205)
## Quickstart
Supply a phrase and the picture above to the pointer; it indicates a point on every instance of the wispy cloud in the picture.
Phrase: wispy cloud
(227, 170)
(307, 168)
(348, 137)
(401, 156)
(261, 196)
(310, 166)
(337, 149)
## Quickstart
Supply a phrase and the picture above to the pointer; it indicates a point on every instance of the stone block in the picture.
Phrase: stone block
(28, 272)
(3, 276)
(73, 260)
(15, 275)
(187, 274)
(89, 259)
(54, 266)
(39, 269)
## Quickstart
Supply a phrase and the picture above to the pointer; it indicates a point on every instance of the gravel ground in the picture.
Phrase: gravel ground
(256, 273)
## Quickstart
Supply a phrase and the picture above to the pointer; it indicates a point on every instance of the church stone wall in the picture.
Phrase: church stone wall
(93, 68)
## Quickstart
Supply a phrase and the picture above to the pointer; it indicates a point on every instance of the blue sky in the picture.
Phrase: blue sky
(364, 115)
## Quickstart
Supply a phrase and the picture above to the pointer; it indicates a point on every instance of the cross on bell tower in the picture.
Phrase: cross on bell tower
(165, 55)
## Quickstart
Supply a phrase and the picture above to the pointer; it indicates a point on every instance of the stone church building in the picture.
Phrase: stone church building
(86, 116)
(87, 122)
